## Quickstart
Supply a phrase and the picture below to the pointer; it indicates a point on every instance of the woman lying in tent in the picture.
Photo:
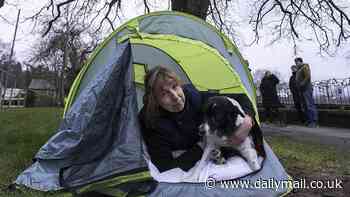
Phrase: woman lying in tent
(171, 117)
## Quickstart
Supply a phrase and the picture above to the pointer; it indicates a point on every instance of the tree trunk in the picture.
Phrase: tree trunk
(198, 8)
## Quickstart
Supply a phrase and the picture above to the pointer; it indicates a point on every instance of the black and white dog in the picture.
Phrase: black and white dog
(222, 117)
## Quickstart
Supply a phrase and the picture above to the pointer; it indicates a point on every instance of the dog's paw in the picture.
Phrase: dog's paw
(254, 165)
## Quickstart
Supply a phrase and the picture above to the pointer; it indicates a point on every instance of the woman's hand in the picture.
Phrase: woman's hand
(243, 131)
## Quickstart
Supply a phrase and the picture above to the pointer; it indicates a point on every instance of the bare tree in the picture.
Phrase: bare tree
(63, 51)
(2, 17)
(327, 20)
(194, 7)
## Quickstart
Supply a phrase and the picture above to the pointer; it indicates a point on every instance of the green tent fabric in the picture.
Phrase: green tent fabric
(98, 146)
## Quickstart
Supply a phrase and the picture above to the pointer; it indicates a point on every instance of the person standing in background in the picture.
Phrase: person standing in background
(297, 98)
(303, 81)
(270, 99)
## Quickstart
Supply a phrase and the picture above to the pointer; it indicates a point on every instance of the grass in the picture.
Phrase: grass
(311, 161)
(310, 158)
(24, 131)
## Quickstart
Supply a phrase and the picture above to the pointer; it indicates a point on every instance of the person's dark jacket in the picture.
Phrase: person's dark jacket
(293, 86)
(268, 91)
(292, 83)
(179, 131)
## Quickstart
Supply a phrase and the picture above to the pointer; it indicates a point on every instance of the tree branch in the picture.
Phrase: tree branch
(289, 16)
(58, 14)
(106, 17)
(259, 20)
(146, 6)
(219, 15)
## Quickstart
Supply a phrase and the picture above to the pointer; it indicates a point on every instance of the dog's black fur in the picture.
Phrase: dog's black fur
(221, 115)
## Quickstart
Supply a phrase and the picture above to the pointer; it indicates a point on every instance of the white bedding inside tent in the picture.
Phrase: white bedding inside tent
(234, 167)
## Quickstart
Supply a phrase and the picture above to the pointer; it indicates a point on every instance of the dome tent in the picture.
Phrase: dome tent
(98, 146)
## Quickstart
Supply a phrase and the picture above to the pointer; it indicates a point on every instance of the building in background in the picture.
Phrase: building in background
(41, 93)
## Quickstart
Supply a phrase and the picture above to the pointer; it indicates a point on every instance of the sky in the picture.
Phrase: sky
(277, 57)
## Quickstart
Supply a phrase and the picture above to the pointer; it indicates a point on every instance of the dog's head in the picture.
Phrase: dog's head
(222, 116)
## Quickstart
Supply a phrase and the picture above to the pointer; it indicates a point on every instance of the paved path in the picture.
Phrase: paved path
(338, 137)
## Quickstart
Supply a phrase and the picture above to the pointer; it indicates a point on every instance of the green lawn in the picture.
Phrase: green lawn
(310, 158)
(312, 162)
(24, 131)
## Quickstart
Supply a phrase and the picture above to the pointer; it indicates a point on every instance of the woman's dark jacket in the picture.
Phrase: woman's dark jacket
(294, 89)
(269, 91)
(179, 131)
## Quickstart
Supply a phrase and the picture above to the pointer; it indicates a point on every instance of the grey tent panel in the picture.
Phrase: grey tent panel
(239, 68)
(139, 95)
(123, 32)
(99, 135)
(182, 26)
(143, 54)
(116, 121)
(105, 56)
(42, 175)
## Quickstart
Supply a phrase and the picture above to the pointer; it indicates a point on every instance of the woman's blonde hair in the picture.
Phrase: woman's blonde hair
(151, 105)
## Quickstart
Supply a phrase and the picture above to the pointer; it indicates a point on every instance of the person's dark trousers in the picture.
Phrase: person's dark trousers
(271, 112)
(301, 115)
(297, 99)
(311, 110)
(268, 113)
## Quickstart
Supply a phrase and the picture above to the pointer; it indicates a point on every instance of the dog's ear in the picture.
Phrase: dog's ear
(236, 107)
(237, 111)
(212, 108)
(238, 116)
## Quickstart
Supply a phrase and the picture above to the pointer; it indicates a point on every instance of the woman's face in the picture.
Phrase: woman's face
(169, 94)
